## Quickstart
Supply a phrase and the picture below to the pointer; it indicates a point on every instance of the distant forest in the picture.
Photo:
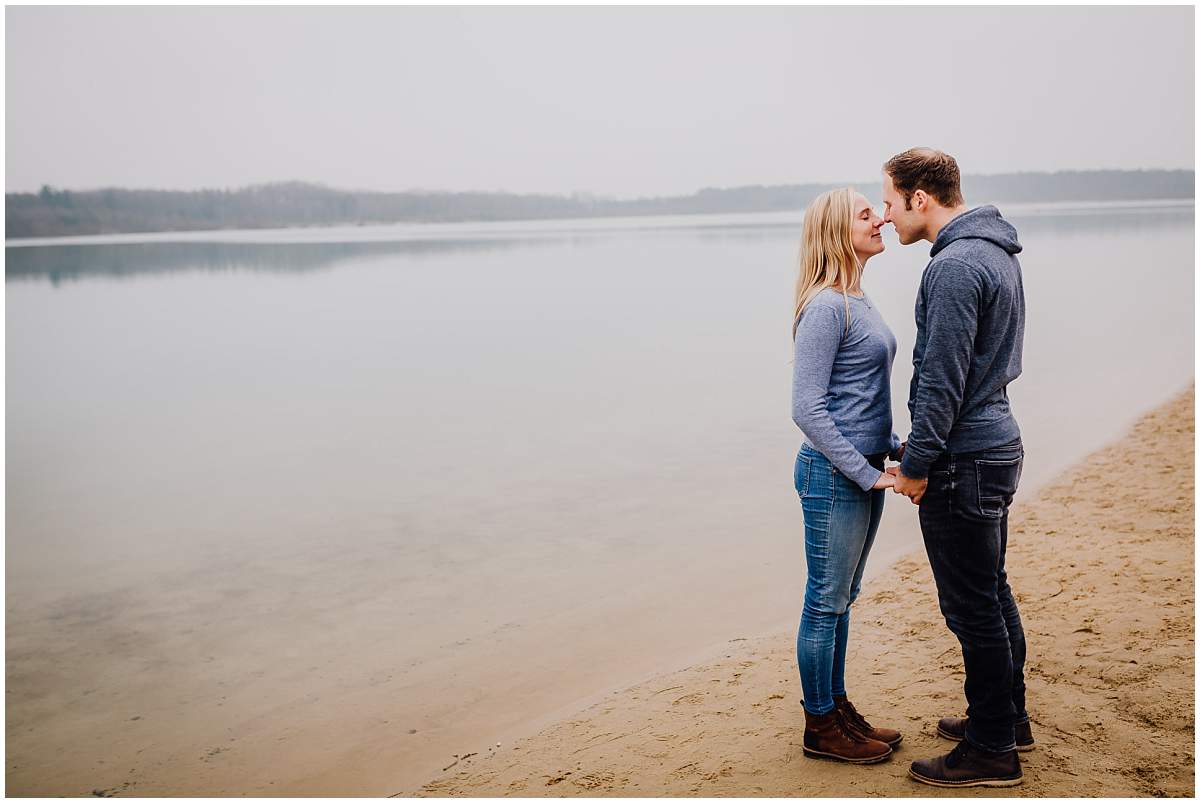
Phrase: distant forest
(58, 212)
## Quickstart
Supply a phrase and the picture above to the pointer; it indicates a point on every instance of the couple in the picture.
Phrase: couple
(960, 464)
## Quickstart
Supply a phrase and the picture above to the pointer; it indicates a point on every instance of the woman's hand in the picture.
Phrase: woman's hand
(887, 479)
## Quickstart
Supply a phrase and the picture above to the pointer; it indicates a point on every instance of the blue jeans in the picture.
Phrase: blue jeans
(964, 520)
(840, 522)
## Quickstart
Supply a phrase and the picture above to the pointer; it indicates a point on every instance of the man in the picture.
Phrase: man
(962, 461)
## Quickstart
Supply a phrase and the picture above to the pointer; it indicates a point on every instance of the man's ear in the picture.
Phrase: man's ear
(920, 200)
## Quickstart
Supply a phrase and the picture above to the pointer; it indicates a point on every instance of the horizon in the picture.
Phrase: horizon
(583, 193)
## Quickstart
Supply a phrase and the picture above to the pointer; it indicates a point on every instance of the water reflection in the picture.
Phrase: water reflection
(1068, 221)
(1139, 219)
(59, 263)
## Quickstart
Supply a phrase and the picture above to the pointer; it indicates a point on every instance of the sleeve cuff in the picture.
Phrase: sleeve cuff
(913, 467)
(868, 477)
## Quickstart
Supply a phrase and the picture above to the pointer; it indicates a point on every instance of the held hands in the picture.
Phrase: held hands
(887, 479)
(913, 489)
(892, 478)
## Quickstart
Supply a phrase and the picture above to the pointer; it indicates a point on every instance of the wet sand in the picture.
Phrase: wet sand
(1102, 563)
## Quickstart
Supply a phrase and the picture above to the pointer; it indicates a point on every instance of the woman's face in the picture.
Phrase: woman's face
(864, 230)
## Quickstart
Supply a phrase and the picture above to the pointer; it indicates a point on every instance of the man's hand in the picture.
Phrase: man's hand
(913, 489)
(887, 479)
(898, 454)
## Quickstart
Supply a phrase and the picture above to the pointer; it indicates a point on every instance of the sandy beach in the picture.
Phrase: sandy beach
(1102, 563)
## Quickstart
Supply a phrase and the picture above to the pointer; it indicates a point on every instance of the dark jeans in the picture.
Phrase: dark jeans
(964, 520)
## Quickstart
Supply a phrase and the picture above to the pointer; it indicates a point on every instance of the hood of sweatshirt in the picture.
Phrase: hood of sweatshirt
(981, 223)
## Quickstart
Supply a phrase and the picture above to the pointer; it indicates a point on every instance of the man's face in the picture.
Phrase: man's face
(907, 222)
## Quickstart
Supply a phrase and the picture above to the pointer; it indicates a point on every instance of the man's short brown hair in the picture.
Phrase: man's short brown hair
(929, 170)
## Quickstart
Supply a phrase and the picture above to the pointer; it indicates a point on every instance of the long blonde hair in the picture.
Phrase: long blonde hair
(827, 257)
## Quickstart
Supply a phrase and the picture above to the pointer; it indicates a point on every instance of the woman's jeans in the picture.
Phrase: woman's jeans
(964, 519)
(840, 521)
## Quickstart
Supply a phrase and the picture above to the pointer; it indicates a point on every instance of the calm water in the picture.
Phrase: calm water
(427, 468)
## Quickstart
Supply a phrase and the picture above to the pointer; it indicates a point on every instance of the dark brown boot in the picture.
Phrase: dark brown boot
(967, 765)
(892, 738)
(955, 729)
(829, 736)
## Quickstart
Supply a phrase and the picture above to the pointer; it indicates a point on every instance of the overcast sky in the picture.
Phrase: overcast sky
(615, 101)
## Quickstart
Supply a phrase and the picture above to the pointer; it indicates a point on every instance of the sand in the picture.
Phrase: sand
(1102, 563)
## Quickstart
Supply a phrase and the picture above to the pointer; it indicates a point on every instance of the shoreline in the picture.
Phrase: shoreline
(322, 731)
(1102, 564)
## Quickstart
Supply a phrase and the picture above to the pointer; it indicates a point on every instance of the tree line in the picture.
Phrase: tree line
(60, 212)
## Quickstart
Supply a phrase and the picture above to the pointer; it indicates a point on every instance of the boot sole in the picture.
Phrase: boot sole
(835, 757)
(1001, 782)
(1021, 748)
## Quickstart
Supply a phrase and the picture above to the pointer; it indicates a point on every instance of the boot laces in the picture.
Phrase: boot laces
(855, 718)
(847, 729)
(960, 752)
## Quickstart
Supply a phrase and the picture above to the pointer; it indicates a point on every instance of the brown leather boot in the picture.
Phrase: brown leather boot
(829, 736)
(892, 738)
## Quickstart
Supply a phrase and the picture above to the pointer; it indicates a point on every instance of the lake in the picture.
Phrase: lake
(316, 511)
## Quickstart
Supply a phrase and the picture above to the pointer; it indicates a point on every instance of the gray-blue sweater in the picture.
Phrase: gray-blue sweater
(970, 328)
(841, 383)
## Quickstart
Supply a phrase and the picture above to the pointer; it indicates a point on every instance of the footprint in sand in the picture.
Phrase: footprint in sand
(724, 772)
(595, 780)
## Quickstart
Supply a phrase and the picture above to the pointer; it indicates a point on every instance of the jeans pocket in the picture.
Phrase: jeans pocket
(995, 484)
(803, 471)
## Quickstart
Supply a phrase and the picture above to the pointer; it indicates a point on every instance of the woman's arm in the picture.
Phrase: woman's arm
(818, 337)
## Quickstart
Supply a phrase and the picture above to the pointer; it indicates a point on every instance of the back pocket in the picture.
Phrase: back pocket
(803, 470)
(996, 484)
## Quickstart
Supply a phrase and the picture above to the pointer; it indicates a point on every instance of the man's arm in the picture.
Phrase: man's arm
(953, 299)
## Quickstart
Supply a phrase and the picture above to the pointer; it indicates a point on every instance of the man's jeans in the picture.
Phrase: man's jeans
(840, 521)
(964, 520)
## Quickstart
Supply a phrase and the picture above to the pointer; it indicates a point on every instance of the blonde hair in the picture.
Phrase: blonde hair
(827, 258)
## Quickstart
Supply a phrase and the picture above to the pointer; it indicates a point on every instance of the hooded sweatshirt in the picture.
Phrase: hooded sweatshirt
(970, 327)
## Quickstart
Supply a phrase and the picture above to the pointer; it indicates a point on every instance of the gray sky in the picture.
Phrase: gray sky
(617, 101)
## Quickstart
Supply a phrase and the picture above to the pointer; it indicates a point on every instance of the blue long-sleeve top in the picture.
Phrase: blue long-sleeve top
(841, 383)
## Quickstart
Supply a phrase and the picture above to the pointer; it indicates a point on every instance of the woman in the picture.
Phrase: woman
(841, 400)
